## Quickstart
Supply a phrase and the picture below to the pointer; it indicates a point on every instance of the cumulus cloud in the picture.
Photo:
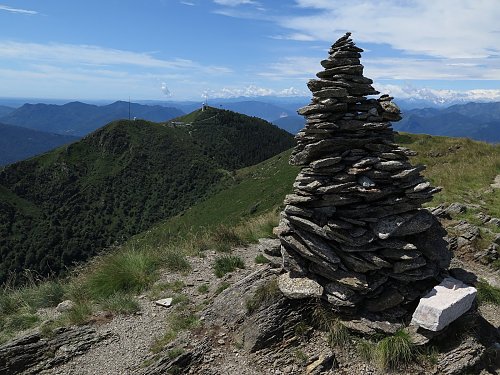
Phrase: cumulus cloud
(16, 10)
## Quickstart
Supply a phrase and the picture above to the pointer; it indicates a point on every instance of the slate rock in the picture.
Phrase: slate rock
(299, 287)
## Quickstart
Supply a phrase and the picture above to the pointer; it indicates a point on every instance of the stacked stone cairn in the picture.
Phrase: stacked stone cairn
(355, 223)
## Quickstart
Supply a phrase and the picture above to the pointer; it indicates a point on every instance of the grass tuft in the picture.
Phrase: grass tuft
(395, 351)
(261, 259)
(487, 293)
(203, 288)
(226, 264)
(174, 260)
(338, 335)
(124, 271)
(79, 314)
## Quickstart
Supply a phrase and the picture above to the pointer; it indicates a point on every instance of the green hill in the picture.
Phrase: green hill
(66, 205)
(464, 168)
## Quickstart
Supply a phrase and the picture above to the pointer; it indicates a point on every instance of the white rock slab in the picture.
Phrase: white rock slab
(443, 304)
(299, 287)
(165, 302)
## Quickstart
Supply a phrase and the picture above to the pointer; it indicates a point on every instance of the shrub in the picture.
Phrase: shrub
(78, 314)
(226, 264)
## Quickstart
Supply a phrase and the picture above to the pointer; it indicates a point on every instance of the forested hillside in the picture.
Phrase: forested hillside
(66, 205)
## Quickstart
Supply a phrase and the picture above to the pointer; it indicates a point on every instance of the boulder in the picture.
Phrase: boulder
(443, 304)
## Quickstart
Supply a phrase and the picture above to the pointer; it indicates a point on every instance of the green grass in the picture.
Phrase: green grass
(222, 287)
(124, 271)
(226, 264)
(301, 357)
(261, 259)
(270, 181)
(79, 314)
(391, 352)
(120, 303)
(395, 351)
(338, 335)
(174, 260)
(464, 168)
(487, 293)
(203, 289)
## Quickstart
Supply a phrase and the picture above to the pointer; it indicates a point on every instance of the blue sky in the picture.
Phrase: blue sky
(171, 49)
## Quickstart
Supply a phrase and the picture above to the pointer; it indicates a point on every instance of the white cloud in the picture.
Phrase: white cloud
(188, 3)
(233, 3)
(401, 68)
(439, 96)
(254, 91)
(16, 10)
(451, 28)
(95, 55)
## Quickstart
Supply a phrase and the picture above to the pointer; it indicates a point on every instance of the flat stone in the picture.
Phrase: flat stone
(327, 162)
(165, 302)
(444, 304)
(389, 298)
(404, 224)
(299, 287)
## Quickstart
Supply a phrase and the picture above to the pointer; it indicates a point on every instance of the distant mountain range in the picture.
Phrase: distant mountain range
(480, 121)
(4, 110)
(67, 204)
(18, 143)
(79, 119)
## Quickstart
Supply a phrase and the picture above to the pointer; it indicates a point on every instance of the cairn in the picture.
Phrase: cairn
(354, 223)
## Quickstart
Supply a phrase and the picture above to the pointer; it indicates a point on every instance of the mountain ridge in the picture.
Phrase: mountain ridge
(65, 205)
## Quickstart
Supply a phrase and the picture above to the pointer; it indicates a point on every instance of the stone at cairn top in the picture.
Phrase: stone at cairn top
(354, 222)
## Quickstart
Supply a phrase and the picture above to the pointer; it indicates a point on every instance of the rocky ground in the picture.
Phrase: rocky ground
(225, 338)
